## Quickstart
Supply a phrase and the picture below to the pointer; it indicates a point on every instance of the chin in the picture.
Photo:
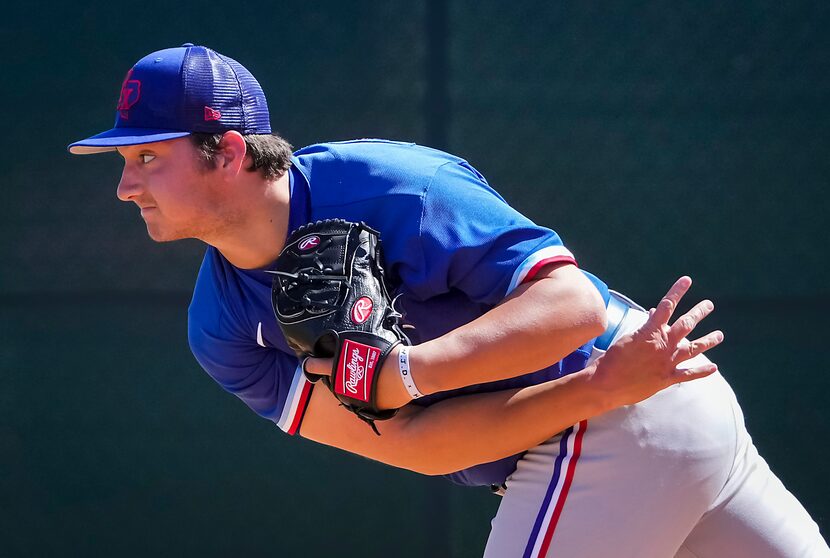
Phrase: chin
(158, 235)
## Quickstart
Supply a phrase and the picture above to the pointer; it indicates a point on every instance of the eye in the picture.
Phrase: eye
(146, 158)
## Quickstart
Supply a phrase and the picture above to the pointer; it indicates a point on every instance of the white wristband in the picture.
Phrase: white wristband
(406, 373)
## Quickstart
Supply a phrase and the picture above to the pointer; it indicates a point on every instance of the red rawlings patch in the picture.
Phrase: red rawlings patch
(356, 370)
(362, 309)
(308, 243)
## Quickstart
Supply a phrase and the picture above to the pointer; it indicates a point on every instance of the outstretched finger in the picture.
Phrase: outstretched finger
(694, 373)
(688, 321)
(669, 302)
(690, 349)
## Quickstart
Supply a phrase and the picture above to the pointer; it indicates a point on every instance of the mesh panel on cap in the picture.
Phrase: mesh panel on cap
(210, 82)
(254, 105)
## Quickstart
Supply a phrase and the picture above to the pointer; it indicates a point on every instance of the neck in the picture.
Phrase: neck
(256, 234)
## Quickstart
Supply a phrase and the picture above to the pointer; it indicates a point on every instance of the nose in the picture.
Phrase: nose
(128, 187)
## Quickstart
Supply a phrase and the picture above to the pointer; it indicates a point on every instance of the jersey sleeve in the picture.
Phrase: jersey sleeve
(473, 241)
(267, 380)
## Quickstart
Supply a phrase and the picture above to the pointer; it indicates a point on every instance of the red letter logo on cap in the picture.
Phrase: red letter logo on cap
(130, 92)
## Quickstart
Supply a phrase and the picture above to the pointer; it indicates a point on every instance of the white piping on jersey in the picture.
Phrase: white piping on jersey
(292, 402)
(259, 340)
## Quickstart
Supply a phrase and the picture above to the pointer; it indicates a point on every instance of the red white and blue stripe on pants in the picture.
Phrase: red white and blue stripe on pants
(570, 447)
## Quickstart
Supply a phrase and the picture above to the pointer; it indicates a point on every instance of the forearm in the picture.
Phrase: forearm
(539, 324)
(537, 327)
(467, 431)
(461, 432)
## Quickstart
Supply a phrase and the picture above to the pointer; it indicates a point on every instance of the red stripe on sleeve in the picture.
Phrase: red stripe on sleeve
(542, 263)
(301, 407)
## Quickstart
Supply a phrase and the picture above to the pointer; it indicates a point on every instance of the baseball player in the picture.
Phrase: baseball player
(577, 403)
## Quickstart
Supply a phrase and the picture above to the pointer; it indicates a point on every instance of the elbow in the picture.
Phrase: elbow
(585, 309)
(592, 313)
(428, 465)
(586, 315)
(430, 470)
(440, 467)
(595, 313)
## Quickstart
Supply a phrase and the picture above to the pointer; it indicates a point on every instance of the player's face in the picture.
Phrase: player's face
(177, 195)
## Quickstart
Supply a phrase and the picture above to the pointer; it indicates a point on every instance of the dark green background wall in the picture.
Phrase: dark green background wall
(658, 139)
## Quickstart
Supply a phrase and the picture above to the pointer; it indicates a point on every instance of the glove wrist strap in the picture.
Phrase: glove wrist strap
(406, 373)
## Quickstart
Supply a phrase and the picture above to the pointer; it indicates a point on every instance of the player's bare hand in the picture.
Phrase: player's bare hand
(654, 357)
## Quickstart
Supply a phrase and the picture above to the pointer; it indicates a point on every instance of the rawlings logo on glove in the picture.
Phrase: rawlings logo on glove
(330, 298)
(361, 310)
(356, 368)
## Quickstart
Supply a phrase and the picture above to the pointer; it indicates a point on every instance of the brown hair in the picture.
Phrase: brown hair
(270, 154)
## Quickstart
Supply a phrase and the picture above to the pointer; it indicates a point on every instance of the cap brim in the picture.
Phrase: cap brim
(119, 137)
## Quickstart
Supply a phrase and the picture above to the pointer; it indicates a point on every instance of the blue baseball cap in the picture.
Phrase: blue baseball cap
(173, 92)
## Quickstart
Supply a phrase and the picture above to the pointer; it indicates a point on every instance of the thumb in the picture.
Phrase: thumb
(318, 366)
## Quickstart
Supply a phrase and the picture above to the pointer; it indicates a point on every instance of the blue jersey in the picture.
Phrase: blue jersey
(453, 249)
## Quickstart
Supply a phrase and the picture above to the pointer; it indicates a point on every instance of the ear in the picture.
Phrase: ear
(230, 153)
